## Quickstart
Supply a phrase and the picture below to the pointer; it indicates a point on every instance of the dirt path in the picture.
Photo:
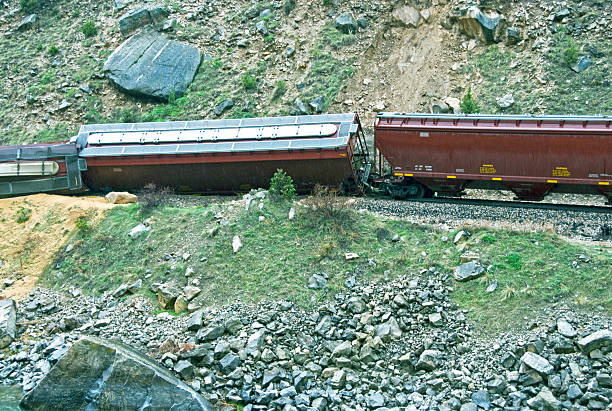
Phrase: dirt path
(27, 247)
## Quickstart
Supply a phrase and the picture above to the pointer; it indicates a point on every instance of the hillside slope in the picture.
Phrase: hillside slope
(53, 80)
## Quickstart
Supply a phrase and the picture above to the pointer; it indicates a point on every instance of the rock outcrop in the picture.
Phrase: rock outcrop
(99, 374)
(148, 64)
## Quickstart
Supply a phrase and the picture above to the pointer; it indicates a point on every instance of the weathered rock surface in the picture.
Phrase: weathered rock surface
(149, 64)
(487, 26)
(107, 375)
(7, 322)
(346, 23)
(140, 17)
(601, 338)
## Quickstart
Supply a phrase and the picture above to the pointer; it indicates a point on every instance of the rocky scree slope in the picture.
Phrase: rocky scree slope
(375, 346)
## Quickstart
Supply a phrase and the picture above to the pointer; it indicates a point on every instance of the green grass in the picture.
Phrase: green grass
(278, 257)
(505, 71)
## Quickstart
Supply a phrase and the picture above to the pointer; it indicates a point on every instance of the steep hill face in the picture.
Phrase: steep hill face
(287, 57)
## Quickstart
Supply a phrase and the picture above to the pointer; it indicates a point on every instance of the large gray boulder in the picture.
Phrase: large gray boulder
(104, 375)
(485, 25)
(140, 17)
(468, 271)
(149, 64)
(7, 322)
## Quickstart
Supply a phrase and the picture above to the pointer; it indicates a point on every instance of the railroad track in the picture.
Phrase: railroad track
(514, 204)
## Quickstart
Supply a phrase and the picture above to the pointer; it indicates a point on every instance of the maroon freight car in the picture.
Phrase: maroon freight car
(216, 156)
(530, 155)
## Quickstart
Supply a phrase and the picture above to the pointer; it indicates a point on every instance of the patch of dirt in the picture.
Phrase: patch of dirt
(28, 247)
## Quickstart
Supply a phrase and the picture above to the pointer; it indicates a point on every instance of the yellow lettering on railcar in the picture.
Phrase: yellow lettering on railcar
(561, 172)
(487, 169)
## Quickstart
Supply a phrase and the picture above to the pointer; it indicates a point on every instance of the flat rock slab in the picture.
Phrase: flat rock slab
(148, 64)
(7, 322)
(105, 375)
(468, 271)
(596, 340)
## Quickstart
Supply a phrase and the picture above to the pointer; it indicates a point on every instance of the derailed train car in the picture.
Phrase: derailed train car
(416, 155)
(210, 156)
(529, 155)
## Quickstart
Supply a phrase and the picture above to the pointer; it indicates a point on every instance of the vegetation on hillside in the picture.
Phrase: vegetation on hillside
(279, 256)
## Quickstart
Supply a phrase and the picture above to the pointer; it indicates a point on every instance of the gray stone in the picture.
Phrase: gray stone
(561, 14)
(536, 362)
(260, 26)
(565, 329)
(317, 104)
(439, 107)
(604, 379)
(255, 342)
(389, 330)
(461, 236)
(288, 392)
(167, 295)
(468, 271)
(376, 400)
(149, 64)
(486, 26)
(27, 23)
(184, 368)
(544, 401)
(140, 17)
(229, 363)
(482, 399)
(135, 286)
(513, 35)
(356, 305)
(210, 333)
(584, 62)
(406, 16)
(343, 350)
(338, 379)
(93, 372)
(574, 391)
(346, 24)
(8, 311)
(317, 281)
(223, 106)
(470, 406)
(428, 360)
(194, 322)
(301, 107)
(601, 338)
(505, 101)
(265, 13)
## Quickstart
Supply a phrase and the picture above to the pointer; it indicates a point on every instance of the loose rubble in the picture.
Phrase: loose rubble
(399, 343)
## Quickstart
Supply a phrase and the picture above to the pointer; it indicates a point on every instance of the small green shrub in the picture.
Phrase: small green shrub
(279, 90)
(514, 260)
(468, 104)
(23, 214)
(30, 6)
(489, 239)
(324, 209)
(281, 186)
(52, 50)
(89, 29)
(249, 82)
(570, 54)
(82, 224)
(328, 2)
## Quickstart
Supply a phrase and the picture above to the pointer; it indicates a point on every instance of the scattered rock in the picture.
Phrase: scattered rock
(565, 328)
(223, 106)
(468, 271)
(317, 281)
(406, 16)
(536, 362)
(505, 101)
(139, 229)
(346, 23)
(236, 244)
(27, 23)
(599, 339)
(121, 197)
(584, 62)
